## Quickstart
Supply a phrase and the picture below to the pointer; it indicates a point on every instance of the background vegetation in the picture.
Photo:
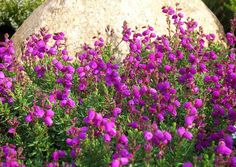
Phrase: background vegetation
(14, 12)
(223, 9)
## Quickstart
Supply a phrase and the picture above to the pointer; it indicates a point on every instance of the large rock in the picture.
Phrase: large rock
(80, 20)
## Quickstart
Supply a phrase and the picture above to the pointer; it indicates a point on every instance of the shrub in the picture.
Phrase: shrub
(223, 9)
(171, 102)
(231, 5)
(14, 12)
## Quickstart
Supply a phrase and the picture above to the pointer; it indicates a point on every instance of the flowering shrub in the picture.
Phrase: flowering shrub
(171, 102)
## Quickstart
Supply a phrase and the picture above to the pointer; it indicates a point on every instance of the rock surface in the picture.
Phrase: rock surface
(80, 20)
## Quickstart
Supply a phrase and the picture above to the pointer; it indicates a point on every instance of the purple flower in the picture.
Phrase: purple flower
(124, 161)
(187, 164)
(83, 129)
(160, 116)
(229, 141)
(216, 94)
(231, 39)
(49, 113)
(63, 103)
(189, 120)
(2, 75)
(59, 65)
(159, 134)
(133, 125)
(198, 103)
(93, 65)
(181, 131)
(69, 141)
(207, 78)
(107, 138)
(152, 91)
(231, 128)
(167, 68)
(67, 58)
(38, 112)
(52, 98)
(123, 139)
(109, 127)
(115, 163)
(91, 114)
(82, 86)
(148, 147)
(61, 153)
(187, 105)
(233, 161)
(223, 149)
(71, 103)
(191, 58)
(28, 118)
(48, 121)
(188, 135)
(70, 69)
(167, 135)
(82, 135)
(12, 130)
(58, 154)
(136, 91)
(40, 44)
(151, 56)
(116, 111)
(171, 11)
(75, 141)
(148, 135)
(193, 111)
(55, 156)
(172, 57)
(98, 117)
(215, 78)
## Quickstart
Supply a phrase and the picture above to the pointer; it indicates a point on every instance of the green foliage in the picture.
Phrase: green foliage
(223, 9)
(231, 5)
(14, 12)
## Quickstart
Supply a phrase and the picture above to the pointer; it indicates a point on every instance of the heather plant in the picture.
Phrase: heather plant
(170, 102)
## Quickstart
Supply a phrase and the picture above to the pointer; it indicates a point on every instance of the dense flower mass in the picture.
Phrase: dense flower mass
(6, 65)
(170, 102)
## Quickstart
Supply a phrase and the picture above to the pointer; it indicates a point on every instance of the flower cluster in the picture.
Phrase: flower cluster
(9, 156)
(37, 113)
(77, 135)
(6, 66)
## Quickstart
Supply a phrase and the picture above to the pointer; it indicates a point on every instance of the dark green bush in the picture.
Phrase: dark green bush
(223, 9)
(14, 12)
